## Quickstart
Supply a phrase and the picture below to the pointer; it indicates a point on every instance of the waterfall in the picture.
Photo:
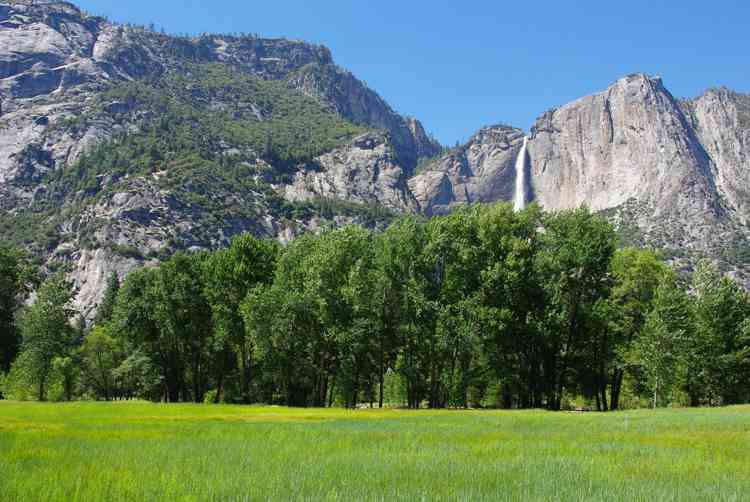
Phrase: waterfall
(519, 199)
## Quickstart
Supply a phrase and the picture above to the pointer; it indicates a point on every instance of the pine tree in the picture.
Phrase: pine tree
(106, 308)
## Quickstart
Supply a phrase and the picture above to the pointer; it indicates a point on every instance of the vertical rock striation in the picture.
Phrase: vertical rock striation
(630, 142)
(721, 119)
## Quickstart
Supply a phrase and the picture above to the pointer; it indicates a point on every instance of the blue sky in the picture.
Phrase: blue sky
(457, 65)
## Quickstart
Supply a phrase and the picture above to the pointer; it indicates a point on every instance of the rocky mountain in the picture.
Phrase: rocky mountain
(672, 174)
(120, 146)
(366, 171)
(482, 170)
(721, 121)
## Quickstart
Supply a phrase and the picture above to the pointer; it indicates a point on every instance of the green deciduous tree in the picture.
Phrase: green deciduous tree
(510, 306)
(636, 275)
(183, 315)
(406, 276)
(100, 357)
(577, 247)
(718, 350)
(229, 276)
(279, 324)
(659, 350)
(46, 331)
(135, 325)
(15, 284)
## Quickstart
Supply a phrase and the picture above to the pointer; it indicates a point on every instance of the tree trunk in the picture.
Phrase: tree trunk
(324, 392)
(173, 391)
(602, 387)
(197, 397)
(331, 391)
(381, 369)
(381, 377)
(562, 373)
(557, 401)
(245, 384)
(355, 389)
(219, 387)
(615, 390)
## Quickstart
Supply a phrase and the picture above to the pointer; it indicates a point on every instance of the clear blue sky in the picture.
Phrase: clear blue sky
(457, 65)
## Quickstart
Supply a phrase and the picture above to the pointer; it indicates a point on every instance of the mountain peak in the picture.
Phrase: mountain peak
(41, 7)
(638, 84)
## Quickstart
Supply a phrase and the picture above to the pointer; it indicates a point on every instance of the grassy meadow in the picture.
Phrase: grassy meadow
(143, 451)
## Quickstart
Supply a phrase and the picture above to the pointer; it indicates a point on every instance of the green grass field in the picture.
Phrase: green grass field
(143, 451)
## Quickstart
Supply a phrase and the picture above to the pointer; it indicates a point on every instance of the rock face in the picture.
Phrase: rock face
(364, 171)
(354, 100)
(632, 149)
(721, 120)
(630, 142)
(482, 170)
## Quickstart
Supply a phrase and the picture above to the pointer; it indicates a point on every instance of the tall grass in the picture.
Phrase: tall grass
(143, 451)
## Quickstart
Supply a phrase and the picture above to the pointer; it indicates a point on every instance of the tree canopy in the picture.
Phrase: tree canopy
(482, 307)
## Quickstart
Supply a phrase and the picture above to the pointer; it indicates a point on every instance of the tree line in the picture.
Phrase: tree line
(483, 307)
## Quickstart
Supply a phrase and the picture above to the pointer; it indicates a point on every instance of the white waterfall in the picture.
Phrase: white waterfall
(519, 199)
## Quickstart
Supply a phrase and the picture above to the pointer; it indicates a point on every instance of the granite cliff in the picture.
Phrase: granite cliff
(672, 174)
